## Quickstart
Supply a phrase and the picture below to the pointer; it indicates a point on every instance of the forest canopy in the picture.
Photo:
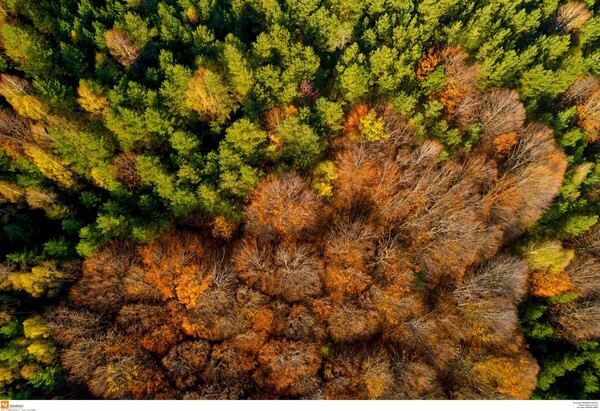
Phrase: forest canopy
(260, 199)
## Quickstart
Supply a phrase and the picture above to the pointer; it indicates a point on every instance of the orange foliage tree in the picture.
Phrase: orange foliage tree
(530, 178)
(512, 377)
(282, 206)
(589, 116)
(458, 95)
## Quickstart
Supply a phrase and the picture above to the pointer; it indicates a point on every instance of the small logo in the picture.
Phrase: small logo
(3, 405)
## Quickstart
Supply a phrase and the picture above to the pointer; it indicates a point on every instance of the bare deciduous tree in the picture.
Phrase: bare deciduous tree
(121, 47)
(571, 16)
(584, 271)
(500, 112)
(579, 319)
